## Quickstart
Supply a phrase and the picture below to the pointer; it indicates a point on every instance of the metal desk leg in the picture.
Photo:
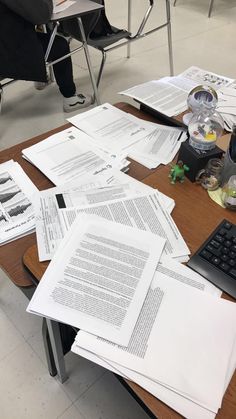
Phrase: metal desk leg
(56, 343)
(48, 349)
(210, 8)
(88, 61)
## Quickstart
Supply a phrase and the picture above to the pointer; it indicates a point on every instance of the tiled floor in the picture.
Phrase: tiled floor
(26, 389)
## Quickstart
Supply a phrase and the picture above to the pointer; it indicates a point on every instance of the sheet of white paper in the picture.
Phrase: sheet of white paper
(115, 176)
(160, 146)
(159, 95)
(185, 407)
(61, 5)
(67, 155)
(47, 205)
(16, 209)
(111, 128)
(189, 409)
(169, 94)
(99, 278)
(181, 328)
(145, 212)
(206, 77)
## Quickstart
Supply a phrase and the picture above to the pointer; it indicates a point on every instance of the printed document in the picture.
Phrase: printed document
(160, 95)
(111, 128)
(184, 406)
(16, 209)
(92, 190)
(177, 341)
(68, 155)
(48, 203)
(169, 94)
(206, 77)
(99, 277)
(145, 212)
(158, 147)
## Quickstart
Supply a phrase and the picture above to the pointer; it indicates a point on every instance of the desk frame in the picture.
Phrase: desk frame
(12, 253)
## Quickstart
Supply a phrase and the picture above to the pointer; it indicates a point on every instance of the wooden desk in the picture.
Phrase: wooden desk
(195, 214)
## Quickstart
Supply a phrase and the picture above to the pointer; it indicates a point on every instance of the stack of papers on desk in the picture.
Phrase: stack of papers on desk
(117, 132)
(176, 351)
(16, 209)
(70, 155)
(118, 199)
(99, 278)
(227, 105)
(169, 94)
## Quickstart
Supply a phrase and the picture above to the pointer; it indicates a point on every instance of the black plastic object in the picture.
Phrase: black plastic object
(216, 258)
(196, 159)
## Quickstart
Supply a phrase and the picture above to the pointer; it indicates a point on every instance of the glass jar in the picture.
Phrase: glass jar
(229, 193)
(210, 177)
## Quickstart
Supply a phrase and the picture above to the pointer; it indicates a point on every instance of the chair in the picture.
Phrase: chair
(119, 38)
(209, 10)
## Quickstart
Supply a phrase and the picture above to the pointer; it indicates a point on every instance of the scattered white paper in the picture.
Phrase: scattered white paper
(16, 209)
(68, 155)
(99, 278)
(145, 212)
(181, 329)
(110, 128)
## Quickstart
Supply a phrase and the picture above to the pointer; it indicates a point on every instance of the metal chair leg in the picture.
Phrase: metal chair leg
(169, 38)
(210, 8)
(104, 57)
(86, 51)
(174, 3)
(129, 27)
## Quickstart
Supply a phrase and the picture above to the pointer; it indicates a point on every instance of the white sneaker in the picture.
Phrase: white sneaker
(78, 101)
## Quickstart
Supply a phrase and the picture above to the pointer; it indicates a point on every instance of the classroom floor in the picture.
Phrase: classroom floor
(26, 389)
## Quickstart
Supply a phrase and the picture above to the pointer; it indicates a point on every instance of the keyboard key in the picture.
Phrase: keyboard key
(219, 238)
(233, 273)
(233, 248)
(206, 255)
(224, 258)
(227, 225)
(232, 255)
(225, 250)
(215, 244)
(222, 232)
(213, 250)
(232, 262)
(215, 260)
(227, 243)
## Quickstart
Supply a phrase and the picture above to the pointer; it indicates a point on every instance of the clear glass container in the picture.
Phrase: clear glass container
(202, 96)
(211, 175)
(229, 193)
(205, 127)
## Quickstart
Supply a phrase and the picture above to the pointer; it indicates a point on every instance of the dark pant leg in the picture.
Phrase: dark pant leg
(62, 70)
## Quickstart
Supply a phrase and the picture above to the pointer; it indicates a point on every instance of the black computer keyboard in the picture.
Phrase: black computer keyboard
(216, 258)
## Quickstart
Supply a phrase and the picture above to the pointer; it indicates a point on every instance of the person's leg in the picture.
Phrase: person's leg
(62, 70)
(64, 74)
